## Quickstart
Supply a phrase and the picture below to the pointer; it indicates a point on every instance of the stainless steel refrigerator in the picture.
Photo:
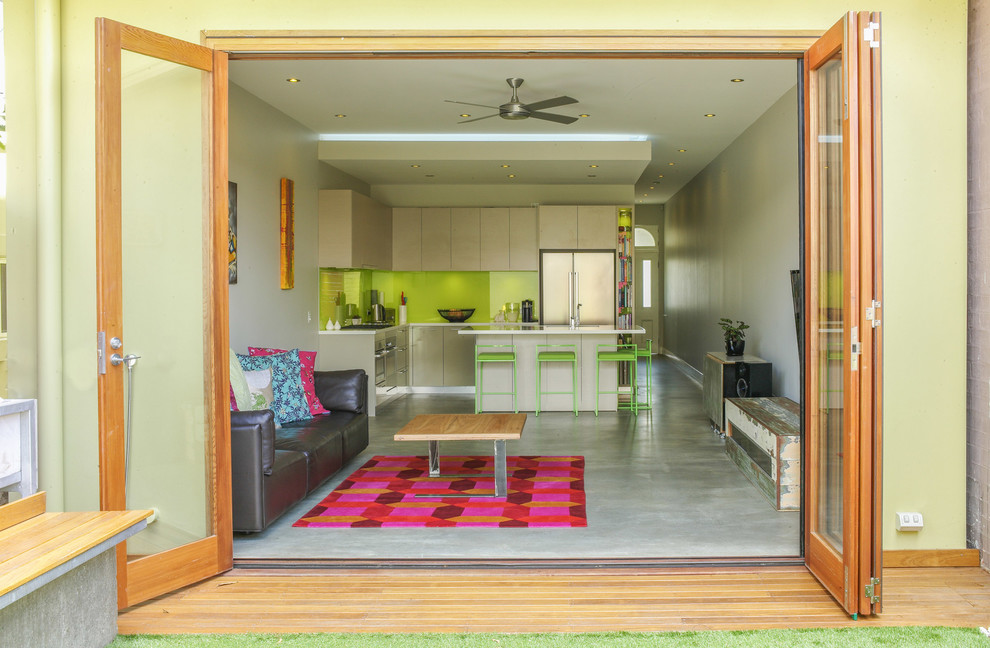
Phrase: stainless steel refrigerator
(577, 287)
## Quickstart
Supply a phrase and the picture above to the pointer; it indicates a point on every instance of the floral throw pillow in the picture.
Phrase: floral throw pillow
(307, 360)
(290, 399)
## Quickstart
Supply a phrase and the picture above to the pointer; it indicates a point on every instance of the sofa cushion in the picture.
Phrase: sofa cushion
(307, 362)
(286, 485)
(322, 444)
(343, 390)
(239, 394)
(290, 398)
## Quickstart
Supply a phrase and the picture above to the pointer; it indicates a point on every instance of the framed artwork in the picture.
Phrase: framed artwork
(287, 273)
(231, 232)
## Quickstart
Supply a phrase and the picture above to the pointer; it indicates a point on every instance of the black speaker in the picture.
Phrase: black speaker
(744, 380)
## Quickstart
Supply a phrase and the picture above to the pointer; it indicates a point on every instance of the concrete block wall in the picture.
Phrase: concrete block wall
(978, 362)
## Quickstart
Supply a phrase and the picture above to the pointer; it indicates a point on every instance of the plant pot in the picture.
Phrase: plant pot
(735, 347)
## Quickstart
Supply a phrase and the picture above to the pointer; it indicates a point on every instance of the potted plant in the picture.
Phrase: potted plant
(735, 336)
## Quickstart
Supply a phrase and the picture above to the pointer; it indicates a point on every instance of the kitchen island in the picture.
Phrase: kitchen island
(556, 376)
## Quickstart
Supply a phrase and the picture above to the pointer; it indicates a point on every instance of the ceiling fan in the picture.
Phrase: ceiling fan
(518, 110)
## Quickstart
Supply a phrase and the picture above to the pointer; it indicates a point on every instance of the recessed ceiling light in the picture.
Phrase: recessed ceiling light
(709, 114)
(737, 80)
(292, 80)
(644, 195)
(506, 166)
(670, 164)
(584, 115)
(338, 115)
(593, 166)
(682, 150)
(415, 166)
(511, 175)
(652, 187)
(592, 175)
(660, 176)
(465, 115)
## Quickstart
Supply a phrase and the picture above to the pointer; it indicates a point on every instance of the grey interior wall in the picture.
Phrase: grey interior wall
(978, 365)
(731, 238)
(266, 145)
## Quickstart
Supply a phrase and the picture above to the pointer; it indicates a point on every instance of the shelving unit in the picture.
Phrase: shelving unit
(624, 294)
(624, 275)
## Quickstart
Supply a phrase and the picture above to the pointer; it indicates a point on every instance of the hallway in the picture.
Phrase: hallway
(659, 485)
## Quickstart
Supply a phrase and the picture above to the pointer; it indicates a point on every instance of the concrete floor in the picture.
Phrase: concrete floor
(658, 486)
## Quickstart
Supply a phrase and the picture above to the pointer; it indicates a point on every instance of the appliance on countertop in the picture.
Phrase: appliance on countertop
(527, 310)
(376, 311)
(577, 287)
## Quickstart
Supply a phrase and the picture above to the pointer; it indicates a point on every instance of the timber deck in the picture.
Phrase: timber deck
(509, 600)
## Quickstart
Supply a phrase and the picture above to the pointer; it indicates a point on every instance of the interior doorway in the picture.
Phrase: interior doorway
(665, 450)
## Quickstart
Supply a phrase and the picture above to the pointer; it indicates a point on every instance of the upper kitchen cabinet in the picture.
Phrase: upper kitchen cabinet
(407, 239)
(436, 238)
(465, 238)
(524, 251)
(558, 227)
(354, 231)
(581, 227)
(596, 226)
(495, 238)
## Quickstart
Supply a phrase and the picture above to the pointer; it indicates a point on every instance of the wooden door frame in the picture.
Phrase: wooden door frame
(149, 576)
(592, 44)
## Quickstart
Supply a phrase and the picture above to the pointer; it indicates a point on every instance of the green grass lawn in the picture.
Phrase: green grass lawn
(843, 637)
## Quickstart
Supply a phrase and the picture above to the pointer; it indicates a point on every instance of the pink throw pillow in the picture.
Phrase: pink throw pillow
(307, 359)
(233, 402)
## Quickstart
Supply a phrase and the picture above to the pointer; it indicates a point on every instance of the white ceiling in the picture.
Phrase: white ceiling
(663, 100)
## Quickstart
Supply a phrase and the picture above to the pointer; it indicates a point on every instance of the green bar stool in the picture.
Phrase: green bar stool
(498, 353)
(617, 353)
(556, 353)
(647, 353)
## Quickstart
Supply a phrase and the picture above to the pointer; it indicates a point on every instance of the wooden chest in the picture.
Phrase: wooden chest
(763, 438)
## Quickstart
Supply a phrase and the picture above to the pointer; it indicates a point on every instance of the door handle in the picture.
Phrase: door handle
(131, 359)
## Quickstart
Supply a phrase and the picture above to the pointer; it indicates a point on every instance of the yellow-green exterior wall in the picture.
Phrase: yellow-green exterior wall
(924, 176)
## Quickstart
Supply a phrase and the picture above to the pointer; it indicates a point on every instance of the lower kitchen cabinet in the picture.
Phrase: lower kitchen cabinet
(441, 357)
(427, 355)
(458, 357)
(397, 358)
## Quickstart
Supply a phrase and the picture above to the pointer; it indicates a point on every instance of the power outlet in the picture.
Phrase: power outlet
(910, 522)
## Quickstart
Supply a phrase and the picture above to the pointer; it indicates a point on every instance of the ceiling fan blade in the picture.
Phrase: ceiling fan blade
(551, 103)
(464, 103)
(560, 119)
(467, 121)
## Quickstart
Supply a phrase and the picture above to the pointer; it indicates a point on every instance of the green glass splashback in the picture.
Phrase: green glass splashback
(427, 291)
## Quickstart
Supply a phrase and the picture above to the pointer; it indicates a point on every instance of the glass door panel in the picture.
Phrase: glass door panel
(162, 215)
(831, 320)
(161, 304)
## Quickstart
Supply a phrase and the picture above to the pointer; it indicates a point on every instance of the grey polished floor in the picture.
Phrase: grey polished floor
(658, 485)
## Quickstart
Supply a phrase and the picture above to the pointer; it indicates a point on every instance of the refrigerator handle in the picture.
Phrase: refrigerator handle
(577, 296)
(570, 298)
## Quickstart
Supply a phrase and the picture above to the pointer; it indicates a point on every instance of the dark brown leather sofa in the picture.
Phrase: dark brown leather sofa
(272, 469)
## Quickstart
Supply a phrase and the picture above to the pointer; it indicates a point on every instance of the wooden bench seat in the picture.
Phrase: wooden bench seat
(37, 549)
(763, 438)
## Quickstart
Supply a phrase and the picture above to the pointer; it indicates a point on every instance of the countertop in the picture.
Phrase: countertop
(517, 328)
(554, 329)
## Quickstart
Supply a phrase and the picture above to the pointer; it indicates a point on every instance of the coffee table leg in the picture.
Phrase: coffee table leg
(501, 476)
(434, 458)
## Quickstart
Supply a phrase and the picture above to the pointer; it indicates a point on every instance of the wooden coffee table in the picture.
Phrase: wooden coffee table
(434, 428)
